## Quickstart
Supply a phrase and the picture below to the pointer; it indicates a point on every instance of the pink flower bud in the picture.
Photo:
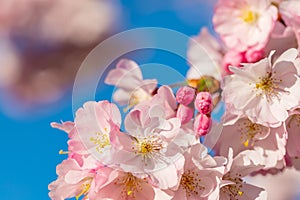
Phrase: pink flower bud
(184, 113)
(203, 102)
(202, 125)
(185, 95)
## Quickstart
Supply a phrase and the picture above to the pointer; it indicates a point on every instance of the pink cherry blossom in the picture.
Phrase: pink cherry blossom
(128, 78)
(202, 125)
(232, 185)
(203, 103)
(148, 148)
(185, 95)
(243, 24)
(123, 186)
(244, 134)
(73, 180)
(263, 91)
(94, 123)
(200, 177)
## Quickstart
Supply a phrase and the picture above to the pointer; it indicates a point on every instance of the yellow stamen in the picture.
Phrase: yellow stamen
(249, 16)
(246, 143)
(129, 192)
(61, 152)
(233, 190)
(191, 183)
(101, 140)
(84, 191)
(131, 185)
(250, 132)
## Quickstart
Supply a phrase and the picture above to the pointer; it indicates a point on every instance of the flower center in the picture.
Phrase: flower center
(149, 147)
(101, 140)
(131, 185)
(191, 183)
(233, 190)
(146, 147)
(249, 130)
(249, 16)
(267, 85)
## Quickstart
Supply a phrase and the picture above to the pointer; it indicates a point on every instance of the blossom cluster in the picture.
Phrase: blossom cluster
(43, 43)
(155, 151)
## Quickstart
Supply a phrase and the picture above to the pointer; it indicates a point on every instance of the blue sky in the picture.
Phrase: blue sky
(29, 146)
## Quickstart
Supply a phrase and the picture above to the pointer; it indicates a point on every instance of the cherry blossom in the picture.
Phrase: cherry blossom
(245, 24)
(266, 91)
(244, 134)
(201, 175)
(148, 148)
(128, 78)
(233, 186)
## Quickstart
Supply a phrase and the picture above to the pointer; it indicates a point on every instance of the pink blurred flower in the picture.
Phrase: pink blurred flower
(263, 91)
(232, 58)
(57, 21)
(185, 95)
(205, 56)
(273, 184)
(289, 11)
(185, 113)
(128, 78)
(252, 55)
(202, 124)
(54, 43)
(236, 58)
(203, 103)
(244, 24)
(282, 38)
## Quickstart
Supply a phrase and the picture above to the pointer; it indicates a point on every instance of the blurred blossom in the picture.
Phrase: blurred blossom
(284, 185)
(43, 43)
(56, 20)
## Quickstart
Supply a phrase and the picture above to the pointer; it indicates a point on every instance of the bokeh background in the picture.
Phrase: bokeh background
(42, 44)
